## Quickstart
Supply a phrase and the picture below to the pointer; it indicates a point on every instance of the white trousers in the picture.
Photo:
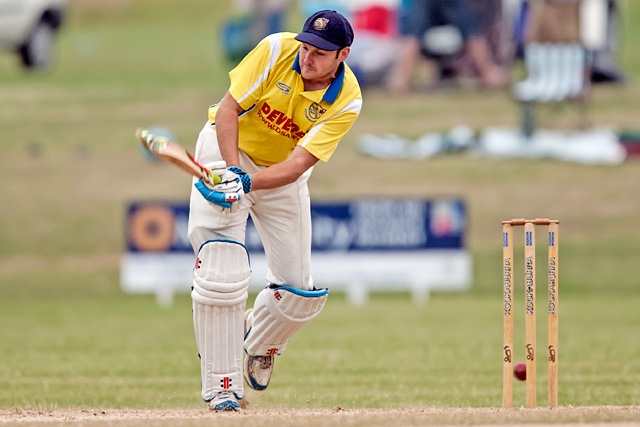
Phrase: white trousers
(282, 217)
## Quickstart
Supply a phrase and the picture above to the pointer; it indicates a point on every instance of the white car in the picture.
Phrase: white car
(28, 27)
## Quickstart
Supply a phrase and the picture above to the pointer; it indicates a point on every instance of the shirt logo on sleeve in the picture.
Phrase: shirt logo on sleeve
(314, 112)
(283, 88)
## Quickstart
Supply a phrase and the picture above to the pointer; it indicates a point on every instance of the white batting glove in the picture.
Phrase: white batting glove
(230, 182)
(224, 196)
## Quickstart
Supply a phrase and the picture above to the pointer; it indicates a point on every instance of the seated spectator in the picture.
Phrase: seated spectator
(419, 16)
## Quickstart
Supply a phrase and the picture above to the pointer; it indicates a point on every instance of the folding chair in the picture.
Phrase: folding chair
(556, 61)
(556, 72)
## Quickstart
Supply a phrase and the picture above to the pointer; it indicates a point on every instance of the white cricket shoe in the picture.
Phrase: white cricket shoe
(225, 401)
(257, 369)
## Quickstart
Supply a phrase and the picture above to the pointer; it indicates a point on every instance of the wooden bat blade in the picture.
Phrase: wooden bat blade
(163, 148)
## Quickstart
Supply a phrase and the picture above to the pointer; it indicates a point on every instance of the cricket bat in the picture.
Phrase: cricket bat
(170, 151)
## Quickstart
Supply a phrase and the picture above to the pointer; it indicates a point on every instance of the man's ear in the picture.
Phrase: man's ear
(344, 53)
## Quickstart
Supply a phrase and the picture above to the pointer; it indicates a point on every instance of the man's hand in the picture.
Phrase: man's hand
(226, 195)
(225, 202)
(229, 182)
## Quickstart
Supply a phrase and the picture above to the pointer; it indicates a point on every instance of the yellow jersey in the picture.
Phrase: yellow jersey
(279, 114)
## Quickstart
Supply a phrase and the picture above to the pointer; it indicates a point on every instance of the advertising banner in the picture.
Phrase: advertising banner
(357, 246)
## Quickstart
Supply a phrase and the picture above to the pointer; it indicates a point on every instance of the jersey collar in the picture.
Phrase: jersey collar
(334, 88)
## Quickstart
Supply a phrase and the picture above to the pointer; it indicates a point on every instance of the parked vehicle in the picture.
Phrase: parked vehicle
(29, 27)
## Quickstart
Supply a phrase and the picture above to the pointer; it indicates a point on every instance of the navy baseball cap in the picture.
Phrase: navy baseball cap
(327, 30)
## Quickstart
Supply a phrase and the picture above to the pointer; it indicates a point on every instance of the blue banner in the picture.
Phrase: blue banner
(360, 225)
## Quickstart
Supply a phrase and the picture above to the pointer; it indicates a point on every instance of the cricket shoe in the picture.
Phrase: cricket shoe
(225, 401)
(257, 369)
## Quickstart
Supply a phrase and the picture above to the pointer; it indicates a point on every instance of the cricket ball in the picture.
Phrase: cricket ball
(520, 371)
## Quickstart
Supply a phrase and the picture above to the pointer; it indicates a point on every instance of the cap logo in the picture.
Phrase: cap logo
(320, 24)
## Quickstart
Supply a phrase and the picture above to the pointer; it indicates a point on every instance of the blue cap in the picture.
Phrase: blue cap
(327, 30)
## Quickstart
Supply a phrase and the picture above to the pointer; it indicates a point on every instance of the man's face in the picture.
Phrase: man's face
(317, 64)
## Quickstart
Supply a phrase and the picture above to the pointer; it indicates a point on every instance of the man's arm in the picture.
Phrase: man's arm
(285, 172)
(227, 129)
(274, 176)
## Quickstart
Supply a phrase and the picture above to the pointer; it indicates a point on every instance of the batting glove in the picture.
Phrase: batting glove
(234, 182)
(229, 181)
(245, 178)
(225, 195)
(226, 202)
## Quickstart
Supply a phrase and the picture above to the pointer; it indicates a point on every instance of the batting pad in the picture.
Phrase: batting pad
(278, 313)
(220, 282)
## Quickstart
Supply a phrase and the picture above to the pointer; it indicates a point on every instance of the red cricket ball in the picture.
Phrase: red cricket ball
(520, 371)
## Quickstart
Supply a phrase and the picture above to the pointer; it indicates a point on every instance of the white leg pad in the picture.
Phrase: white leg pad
(277, 315)
(220, 284)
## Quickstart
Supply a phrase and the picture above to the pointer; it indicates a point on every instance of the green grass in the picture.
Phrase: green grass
(123, 351)
(69, 166)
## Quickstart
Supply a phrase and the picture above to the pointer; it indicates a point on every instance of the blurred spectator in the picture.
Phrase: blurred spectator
(254, 20)
(553, 21)
(308, 7)
(268, 16)
(447, 25)
(554, 53)
(555, 58)
(604, 45)
(599, 31)
(375, 25)
(496, 26)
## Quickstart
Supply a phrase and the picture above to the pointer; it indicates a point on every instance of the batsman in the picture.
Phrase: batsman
(290, 102)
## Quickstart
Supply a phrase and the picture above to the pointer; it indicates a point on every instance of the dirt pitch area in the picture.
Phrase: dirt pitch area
(286, 417)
